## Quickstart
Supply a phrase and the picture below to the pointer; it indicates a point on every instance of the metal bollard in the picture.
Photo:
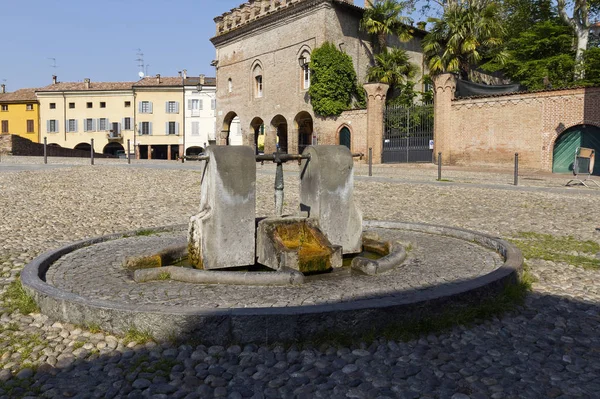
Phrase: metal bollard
(370, 161)
(128, 152)
(439, 166)
(92, 152)
(45, 150)
(516, 168)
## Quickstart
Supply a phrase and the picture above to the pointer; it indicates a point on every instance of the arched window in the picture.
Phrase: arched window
(304, 61)
(229, 85)
(257, 75)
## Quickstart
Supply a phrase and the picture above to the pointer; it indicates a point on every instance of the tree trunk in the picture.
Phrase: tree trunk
(582, 42)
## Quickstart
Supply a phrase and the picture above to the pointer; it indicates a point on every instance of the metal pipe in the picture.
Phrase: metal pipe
(370, 161)
(439, 166)
(128, 151)
(281, 157)
(92, 152)
(197, 157)
(279, 189)
(45, 150)
(516, 168)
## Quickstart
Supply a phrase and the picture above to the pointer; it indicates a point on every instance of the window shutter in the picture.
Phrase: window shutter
(122, 123)
(176, 127)
(167, 107)
(190, 104)
(150, 106)
(84, 126)
(213, 103)
(140, 107)
(176, 107)
(48, 126)
(119, 129)
(201, 104)
(93, 125)
(57, 128)
(150, 128)
(75, 126)
(166, 127)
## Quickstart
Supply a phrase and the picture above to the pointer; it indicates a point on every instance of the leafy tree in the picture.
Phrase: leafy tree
(591, 63)
(384, 17)
(333, 85)
(521, 15)
(393, 67)
(466, 34)
(580, 23)
(542, 51)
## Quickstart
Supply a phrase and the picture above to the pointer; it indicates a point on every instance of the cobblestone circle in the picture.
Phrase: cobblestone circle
(549, 348)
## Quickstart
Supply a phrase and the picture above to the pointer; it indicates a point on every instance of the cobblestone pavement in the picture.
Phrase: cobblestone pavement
(97, 272)
(547, 349)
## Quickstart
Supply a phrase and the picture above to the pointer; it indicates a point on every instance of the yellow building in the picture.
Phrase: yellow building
(19, 113)
(74, 113)
(159, 117)
(148, 113)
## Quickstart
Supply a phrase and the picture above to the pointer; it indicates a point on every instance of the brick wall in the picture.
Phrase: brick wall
(488, 131)
(16, 145)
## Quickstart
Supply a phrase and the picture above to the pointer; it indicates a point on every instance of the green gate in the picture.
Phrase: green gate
(345, 138)
(567, 143)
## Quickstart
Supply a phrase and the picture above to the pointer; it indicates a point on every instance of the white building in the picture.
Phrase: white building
(200, 105)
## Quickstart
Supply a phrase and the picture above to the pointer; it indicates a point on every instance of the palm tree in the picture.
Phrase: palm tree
(392, 67)
(463, 36)
(382, 18)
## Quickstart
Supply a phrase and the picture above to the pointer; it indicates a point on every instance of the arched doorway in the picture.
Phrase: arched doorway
(280, 128)
(567, 143)
(83, 147)
(193, 151)
(112, 148)
(304, 126)
(346, 137)
(231, 124)
(257, 127)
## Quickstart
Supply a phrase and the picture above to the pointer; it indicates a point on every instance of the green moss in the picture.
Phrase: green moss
(137, 336)
(146, 232)
(142, 262)
(558, 249)
(15, 298)
(164, 276)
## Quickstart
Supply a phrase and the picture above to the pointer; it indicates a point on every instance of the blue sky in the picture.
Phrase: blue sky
(99, 39)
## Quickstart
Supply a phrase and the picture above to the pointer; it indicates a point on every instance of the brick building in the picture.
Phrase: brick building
(263, 48)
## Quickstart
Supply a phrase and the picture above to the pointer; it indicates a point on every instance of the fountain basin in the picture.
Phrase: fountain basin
(85, 283)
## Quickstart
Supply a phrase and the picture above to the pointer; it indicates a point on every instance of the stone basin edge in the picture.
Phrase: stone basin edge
(259, 325)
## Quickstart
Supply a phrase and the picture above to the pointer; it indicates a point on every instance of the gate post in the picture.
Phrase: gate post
(444, 86)
(376, 95)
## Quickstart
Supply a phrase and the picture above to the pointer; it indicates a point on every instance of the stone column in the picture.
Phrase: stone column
(168, 152)
(444, 87)
(181, 151)
(223, 137)
(149, 152)
(376, 95)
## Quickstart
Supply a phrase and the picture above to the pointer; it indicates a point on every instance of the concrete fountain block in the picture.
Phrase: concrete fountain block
(221, 235)
(327, 194)
(295, 243)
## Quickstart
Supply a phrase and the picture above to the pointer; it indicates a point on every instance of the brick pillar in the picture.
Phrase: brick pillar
(181, 151)
(149, 152)
(376, 95)
(168, 152)
(223, 137)
(444, 87)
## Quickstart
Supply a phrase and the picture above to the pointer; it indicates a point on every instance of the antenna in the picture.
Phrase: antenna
(147, 65)
(53, 62)
(140, 60)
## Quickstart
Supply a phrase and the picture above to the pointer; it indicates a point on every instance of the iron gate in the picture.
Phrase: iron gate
(407, 134)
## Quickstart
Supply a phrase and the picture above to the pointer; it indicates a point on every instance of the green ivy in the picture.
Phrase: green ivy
(333, 84)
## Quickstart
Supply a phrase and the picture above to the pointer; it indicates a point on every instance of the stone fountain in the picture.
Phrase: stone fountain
(228, 276)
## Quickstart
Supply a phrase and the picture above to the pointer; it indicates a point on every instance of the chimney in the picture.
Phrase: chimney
(158, 78)
(201, 79)
(185, 73)
(54, 79)
(2, 88)
(87, 83)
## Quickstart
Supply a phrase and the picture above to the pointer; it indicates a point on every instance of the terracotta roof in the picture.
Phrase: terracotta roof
(194, 80)
(82, 86)
(19, 96)
(165, 81)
